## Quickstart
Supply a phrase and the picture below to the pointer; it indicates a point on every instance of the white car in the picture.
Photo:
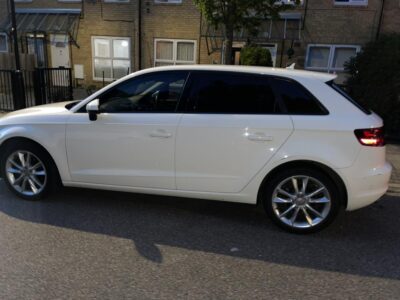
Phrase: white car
(289, 140)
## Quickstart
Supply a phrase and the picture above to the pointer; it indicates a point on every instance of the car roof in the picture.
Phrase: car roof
(289, 73)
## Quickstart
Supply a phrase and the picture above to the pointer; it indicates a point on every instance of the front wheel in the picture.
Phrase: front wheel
(28, 170)
(301, 200)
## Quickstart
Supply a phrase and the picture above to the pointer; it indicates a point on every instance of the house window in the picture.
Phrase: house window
(168, 1)
(351, 2)
(329, 58)
(116, 1)
(3, 42)
(174, 52)
(111, 57)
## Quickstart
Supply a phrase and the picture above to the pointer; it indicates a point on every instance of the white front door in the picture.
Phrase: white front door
(232, 129)
(132, 143)
(59, 45)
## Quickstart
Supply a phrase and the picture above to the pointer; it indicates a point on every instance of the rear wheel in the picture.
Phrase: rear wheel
(301, 200)
(28, 170)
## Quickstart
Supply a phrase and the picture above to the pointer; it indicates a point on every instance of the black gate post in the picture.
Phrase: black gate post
(71, 90)
(38, 86)
(18, 89)
(17, 76)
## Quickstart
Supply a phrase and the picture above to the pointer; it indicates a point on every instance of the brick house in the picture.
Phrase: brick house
(106, 39)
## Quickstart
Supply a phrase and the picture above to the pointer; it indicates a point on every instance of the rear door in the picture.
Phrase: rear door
(231, 127)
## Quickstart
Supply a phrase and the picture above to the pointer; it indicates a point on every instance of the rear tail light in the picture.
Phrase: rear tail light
(374, 137)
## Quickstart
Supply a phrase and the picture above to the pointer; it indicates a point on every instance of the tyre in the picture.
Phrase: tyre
(301, 200)
(28, 170)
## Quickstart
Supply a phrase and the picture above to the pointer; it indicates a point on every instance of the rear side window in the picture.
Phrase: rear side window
(348, 97)
(230, 93)
(296, 99)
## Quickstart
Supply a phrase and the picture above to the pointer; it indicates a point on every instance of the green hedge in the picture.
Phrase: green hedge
(255, 56)
(375, 79)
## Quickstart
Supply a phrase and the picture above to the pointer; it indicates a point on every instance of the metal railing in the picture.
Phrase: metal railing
(41, 86)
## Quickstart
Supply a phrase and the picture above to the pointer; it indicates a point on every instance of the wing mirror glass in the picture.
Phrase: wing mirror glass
(93, 109)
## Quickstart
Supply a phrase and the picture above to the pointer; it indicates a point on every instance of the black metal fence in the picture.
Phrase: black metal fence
(41, 86)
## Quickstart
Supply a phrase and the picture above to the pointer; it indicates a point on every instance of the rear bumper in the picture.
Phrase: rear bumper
(365, 187)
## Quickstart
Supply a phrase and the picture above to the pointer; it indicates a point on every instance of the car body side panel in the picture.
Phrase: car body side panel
(48, 132)
(220, 153)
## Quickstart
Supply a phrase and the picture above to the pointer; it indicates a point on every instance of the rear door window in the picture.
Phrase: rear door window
(230, 93)
(296, 99)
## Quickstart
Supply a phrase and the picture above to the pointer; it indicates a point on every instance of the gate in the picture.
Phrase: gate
(41, 86)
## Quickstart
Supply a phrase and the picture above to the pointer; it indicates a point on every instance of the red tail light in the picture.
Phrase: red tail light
(374, 137)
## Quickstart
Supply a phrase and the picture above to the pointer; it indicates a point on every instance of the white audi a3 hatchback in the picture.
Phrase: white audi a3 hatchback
(289, 140)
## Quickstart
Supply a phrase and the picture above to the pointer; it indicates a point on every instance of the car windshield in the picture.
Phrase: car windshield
(341, 91)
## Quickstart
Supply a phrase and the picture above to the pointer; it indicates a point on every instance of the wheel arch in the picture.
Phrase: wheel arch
(14, 139)
(308, 164)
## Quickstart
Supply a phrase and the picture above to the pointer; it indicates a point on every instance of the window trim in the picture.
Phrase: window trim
(112, 58)
(181, 99)
(184, 101)
(168, 1)
(332, 48)
(6, 42)
(351, 3)
(174, 60)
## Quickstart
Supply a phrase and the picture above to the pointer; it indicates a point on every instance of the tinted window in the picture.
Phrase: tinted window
(348, 97)
(296, 99)
(156, 92)
(233, 93)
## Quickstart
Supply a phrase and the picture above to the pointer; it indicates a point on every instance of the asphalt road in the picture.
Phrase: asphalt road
(105, 245)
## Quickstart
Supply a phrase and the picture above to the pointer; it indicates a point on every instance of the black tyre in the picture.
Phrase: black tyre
(28, 170)
(301, 200)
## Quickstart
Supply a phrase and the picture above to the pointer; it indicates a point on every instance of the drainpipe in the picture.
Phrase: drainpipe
(378, 32)
(140, 33)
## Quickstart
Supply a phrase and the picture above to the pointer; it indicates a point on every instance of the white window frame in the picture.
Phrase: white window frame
(332, 48)
(6, 40)
(174, 61)
(352, 3)
(168, 1)
(112, 58)
(116, 1)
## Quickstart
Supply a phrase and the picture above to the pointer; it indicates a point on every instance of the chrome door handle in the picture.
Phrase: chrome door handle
(259, 137)
(160, 133)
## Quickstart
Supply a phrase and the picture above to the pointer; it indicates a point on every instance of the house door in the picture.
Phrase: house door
(36, 46)
(59, 45)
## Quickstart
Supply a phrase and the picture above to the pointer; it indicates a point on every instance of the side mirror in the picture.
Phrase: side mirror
(93, 109)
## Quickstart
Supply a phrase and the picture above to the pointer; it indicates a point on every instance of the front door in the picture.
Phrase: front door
(132, 143)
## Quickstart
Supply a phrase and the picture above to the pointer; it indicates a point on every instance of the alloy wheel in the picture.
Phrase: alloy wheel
(301, 202)
(26, 173)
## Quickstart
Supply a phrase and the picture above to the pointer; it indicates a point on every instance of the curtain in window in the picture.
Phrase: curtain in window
(185, 51)
(342, 55)
(318, 57)
(164, 50)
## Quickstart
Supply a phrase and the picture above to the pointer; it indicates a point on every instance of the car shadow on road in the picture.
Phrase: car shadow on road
(365, 242)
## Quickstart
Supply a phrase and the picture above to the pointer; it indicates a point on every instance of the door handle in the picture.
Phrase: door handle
(259, 137)
(160, 133)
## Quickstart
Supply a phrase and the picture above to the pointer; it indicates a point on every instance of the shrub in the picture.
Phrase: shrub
(375, 79)
(255, 56)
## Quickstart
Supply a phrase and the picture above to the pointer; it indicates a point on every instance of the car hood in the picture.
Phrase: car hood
(41, 109)
(36, 113)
